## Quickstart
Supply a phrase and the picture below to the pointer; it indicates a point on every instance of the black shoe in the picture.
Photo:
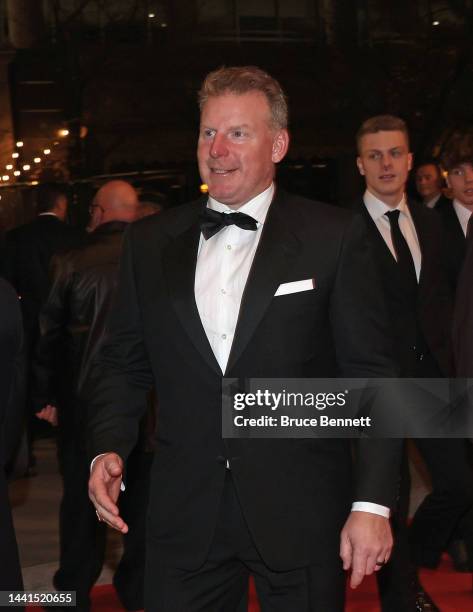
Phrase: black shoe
(424, 602)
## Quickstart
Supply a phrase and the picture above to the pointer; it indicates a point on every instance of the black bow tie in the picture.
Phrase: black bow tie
(211, 221)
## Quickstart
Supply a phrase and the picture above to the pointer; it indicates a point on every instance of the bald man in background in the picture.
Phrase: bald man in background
(71, 331)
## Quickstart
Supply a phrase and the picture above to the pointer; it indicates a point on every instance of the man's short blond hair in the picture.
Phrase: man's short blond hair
(244, 79)
(381, 123)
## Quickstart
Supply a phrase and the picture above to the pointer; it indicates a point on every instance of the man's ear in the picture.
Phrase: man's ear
(280, 145)
(359, 163)
(410, 160)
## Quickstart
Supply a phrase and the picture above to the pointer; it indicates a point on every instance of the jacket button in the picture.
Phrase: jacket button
(221, 459)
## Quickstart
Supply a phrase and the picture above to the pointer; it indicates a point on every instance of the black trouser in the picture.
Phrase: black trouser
(83, 537)
(222, 581)
(395, 581)
(443, 509)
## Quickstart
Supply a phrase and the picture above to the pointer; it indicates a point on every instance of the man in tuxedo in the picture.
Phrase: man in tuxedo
(430, 183)
(408, 247)
(196, 301)
(457, 161)
(11, 417)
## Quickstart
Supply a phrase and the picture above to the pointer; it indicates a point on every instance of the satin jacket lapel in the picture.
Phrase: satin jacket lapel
(179, 261)
(277, 249)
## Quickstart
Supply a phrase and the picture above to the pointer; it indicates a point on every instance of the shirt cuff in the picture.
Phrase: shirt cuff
(122, 486)
(370, 507)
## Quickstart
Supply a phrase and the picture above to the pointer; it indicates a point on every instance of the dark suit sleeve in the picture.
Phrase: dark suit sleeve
(50, 350)
(115, 392)
(364, 349)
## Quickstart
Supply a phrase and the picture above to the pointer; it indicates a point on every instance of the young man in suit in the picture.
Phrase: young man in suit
(457, 161)
(407, 242)
(196, 301)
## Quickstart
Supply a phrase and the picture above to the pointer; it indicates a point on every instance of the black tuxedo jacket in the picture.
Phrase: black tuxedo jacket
(424, 325)
(29, 249)
(11, 418)
(295, 494)
(455, 241)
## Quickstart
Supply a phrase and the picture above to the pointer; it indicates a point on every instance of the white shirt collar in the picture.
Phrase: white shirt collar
(378, 209)
(257, 207)
(463, 214)
(433, 201)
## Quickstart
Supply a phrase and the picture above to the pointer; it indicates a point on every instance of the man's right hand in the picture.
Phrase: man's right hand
(104, 488)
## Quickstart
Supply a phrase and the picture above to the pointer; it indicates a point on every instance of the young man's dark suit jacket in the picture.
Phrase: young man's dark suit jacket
(455, 241)
(425, 329)
(295, 494)
(422, 334)
(11, 419)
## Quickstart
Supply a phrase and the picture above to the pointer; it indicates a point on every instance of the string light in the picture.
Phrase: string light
(62, 132)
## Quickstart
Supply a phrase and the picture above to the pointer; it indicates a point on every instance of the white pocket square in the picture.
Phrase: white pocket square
(295, 287)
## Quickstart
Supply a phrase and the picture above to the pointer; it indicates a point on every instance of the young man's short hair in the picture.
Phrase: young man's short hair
(381, 123)
(459, 150)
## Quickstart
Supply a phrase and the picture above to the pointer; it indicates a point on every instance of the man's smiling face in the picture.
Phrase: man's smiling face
(238, 148)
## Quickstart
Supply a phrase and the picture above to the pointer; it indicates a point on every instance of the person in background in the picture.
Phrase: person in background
(28, 252)
(430, 184)
(72, 324)
(12, 391)
(407, 242)
(457, 161)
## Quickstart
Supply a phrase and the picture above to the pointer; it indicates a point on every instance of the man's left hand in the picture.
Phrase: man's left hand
(365, 544)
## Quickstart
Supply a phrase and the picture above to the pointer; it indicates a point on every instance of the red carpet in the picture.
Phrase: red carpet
(451, 591)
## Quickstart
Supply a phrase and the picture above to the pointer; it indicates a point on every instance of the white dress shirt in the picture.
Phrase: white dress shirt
(431, 203)
(463, 214)
(377, 210)
(223, 265)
